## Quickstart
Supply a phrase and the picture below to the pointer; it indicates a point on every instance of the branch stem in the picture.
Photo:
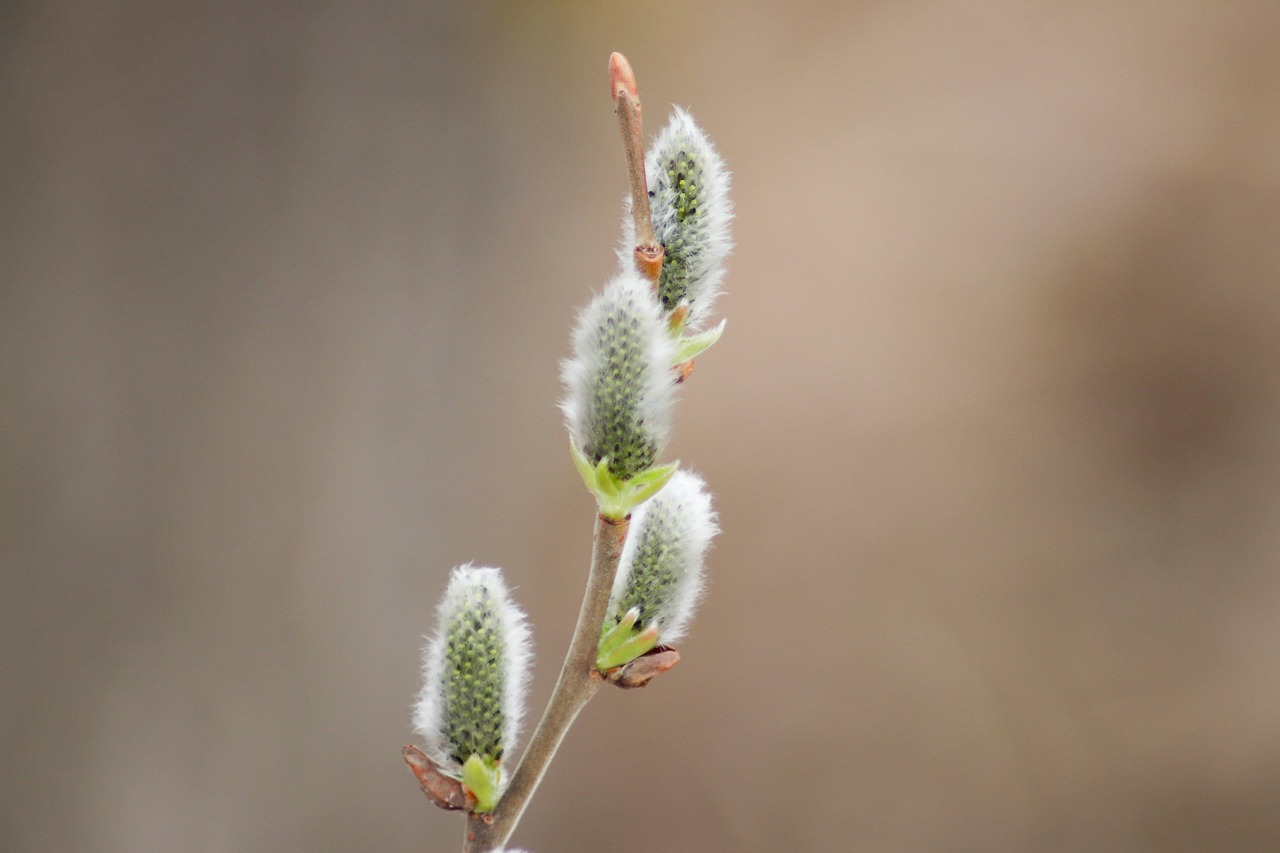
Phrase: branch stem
(626, 106)
(578, 682)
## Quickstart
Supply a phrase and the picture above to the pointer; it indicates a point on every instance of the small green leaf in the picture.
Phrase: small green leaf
(615, 497)
(611, 638)
(480, 775)
(646, 485)
(585, 469)
(607, 485)
(695, 345)
(629, 650)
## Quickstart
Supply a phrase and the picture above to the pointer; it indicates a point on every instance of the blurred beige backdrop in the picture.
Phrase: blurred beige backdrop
(994, 429)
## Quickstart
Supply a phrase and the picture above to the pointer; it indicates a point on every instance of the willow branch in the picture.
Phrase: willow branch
(578, 682)
(626, 106)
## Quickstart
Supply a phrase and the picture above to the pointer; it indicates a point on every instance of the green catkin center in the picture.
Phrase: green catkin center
(655, 568)
(679, 194)
(474, 718)
(615, 428)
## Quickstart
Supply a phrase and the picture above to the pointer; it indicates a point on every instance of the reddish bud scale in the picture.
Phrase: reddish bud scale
(445, 791)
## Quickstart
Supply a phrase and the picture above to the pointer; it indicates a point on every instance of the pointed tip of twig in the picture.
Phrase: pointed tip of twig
(621, 77)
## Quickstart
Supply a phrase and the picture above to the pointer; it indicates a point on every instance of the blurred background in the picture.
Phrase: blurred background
(994, 428)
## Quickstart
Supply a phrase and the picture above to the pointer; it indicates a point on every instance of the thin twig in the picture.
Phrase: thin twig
(579, 679)
(578, 682)
(626, 106)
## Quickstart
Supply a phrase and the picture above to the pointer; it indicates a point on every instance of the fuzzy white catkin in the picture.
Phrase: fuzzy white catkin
(475, 670)
(620, 389)
(691, 214)
(661, 571)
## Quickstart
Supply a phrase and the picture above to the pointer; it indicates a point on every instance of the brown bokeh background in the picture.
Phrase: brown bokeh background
(994, 429)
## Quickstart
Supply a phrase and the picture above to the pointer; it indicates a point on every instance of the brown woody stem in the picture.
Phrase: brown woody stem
(626, 106)
(578, 682)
